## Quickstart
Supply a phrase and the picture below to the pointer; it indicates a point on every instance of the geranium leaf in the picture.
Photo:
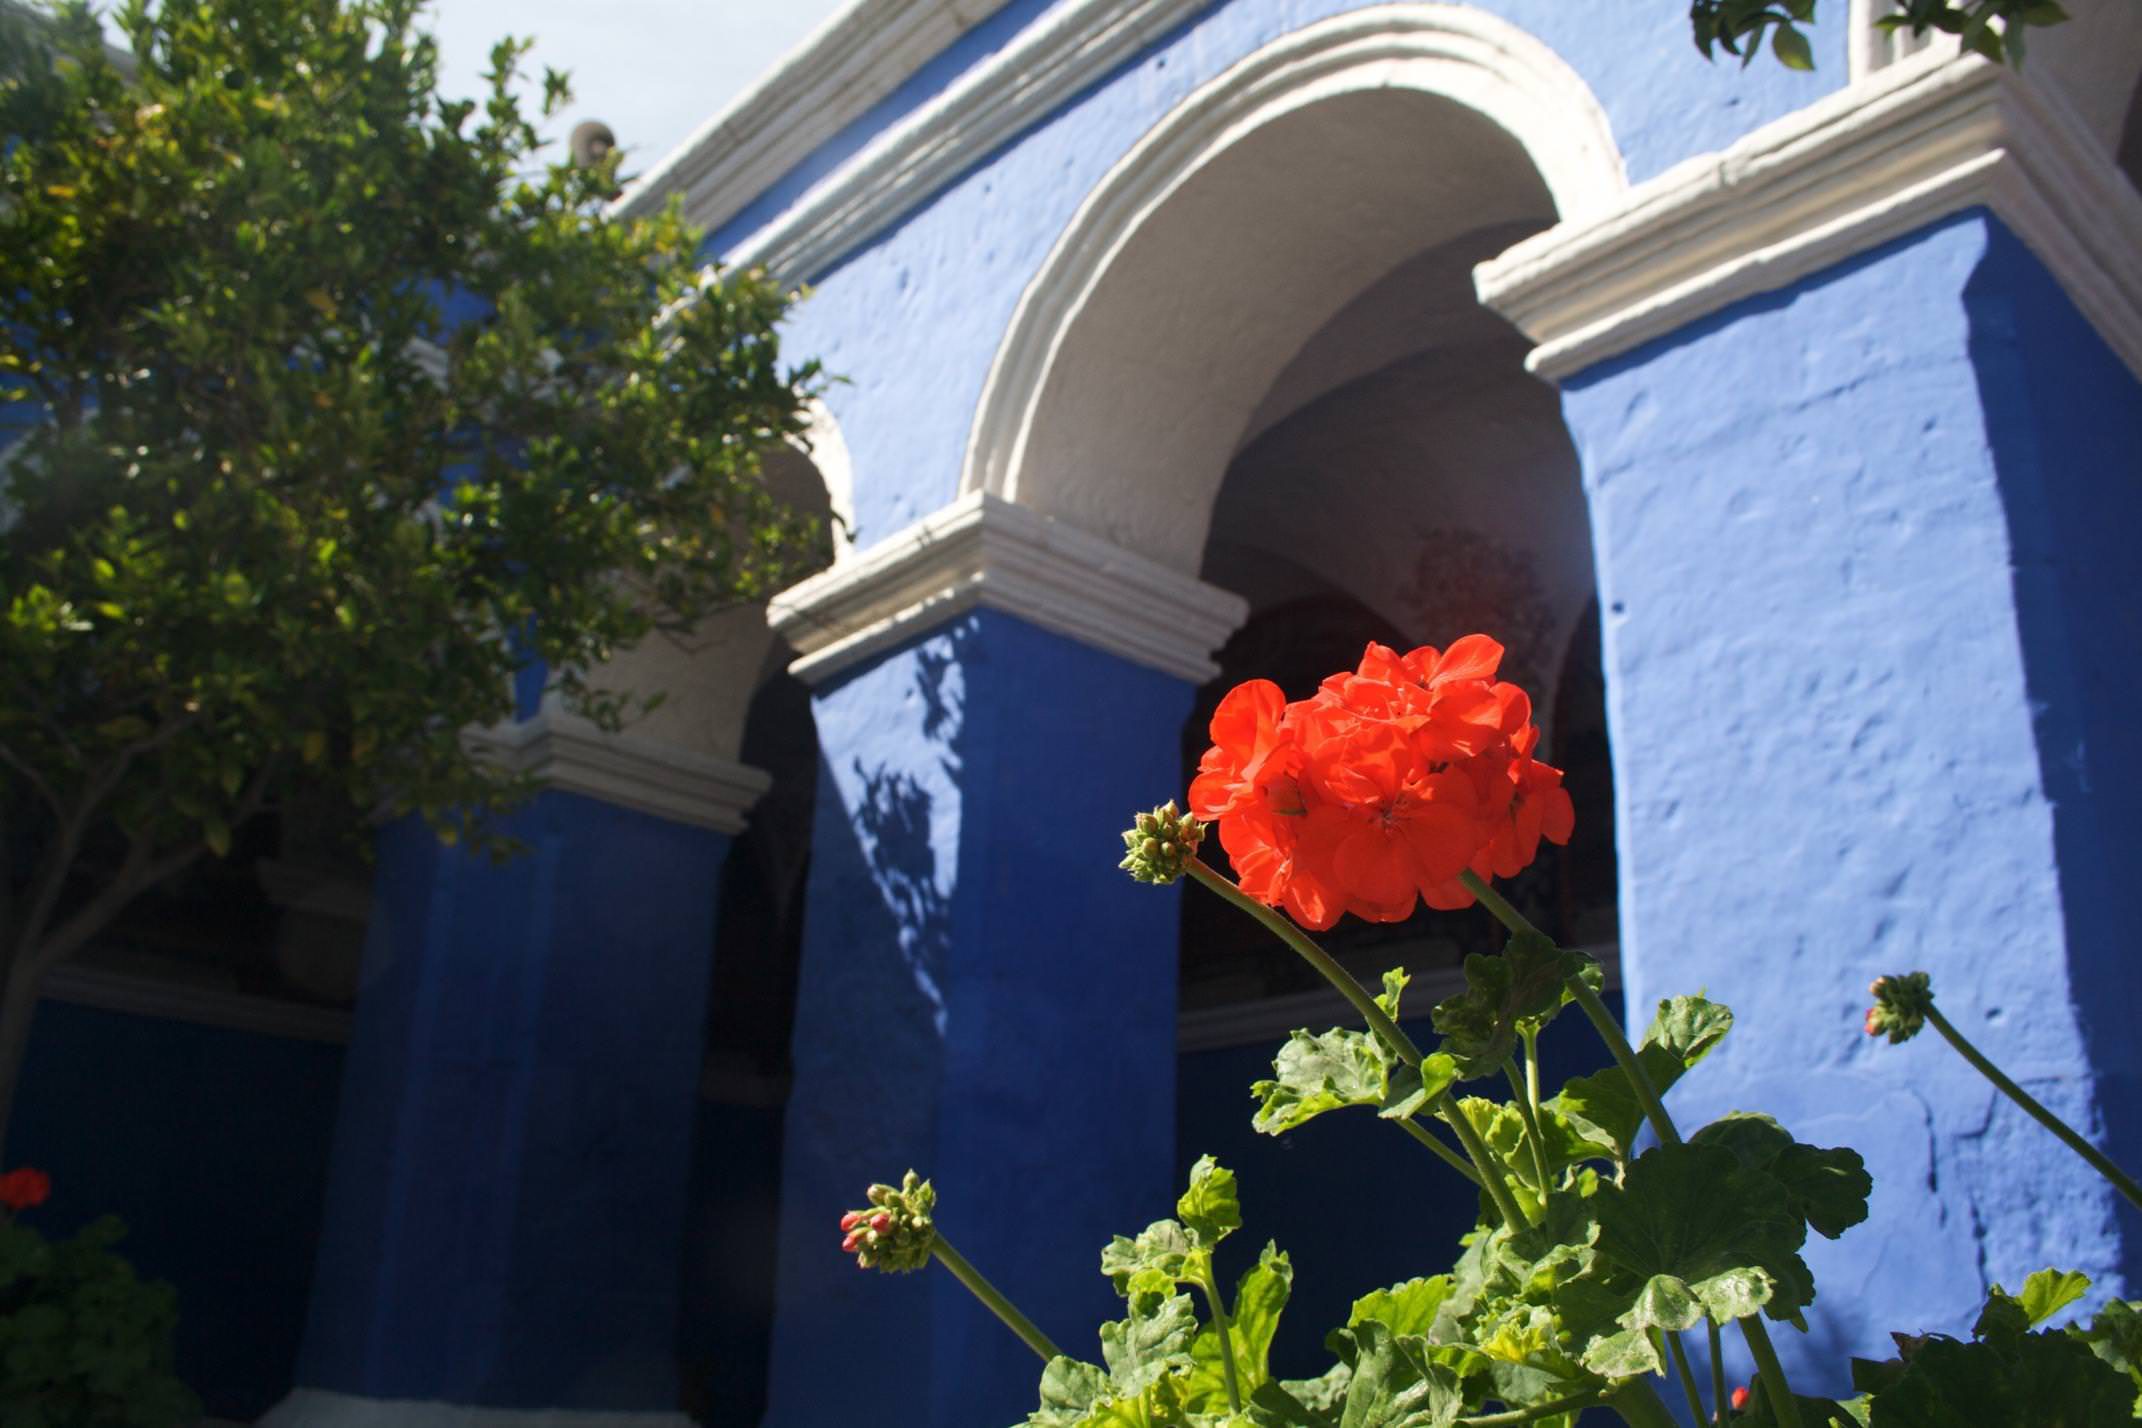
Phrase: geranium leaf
(1408, 1308)
(1409, 1089)
(2115, 1336)
(2042, 1380)
(1163, 1248)
(1280, 1405)
(1209, 1209)
(1604, 1109)
(1828, 1188)
(1395, 1384)
(2049, 1291)
(1528, 984)
(1315, 1074)
(1696, 1214)
(1260, 1296)
(1150, 1344)
(1069, 1389)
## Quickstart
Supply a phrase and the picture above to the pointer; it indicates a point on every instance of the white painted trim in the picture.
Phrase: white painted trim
(1453, 51)
(136, 994)
(1268, 1020)
(572, 755)
(1920, 140)
(318, 1408)
(981, 551)
(1060, 54)
(855, 59)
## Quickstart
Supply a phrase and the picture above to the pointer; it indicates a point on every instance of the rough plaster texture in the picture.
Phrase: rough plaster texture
(915, 320)
(979, 1001)
(506, 1199)
(1845, 560)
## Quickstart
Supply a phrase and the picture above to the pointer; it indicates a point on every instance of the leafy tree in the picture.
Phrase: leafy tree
(335, 414)
(1996, 29)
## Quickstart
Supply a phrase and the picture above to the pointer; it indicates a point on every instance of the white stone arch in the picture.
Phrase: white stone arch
(1492, 78)
(708, 677)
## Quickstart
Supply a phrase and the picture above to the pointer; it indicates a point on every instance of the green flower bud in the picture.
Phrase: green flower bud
(1900, 1005)
(896, 1233)
(1161, 844)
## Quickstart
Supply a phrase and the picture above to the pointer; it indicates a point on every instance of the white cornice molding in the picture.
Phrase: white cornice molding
(1922, 139)
(572, 755)
(1052, 60)
(984, 551)
(164, 999)
(851, 62)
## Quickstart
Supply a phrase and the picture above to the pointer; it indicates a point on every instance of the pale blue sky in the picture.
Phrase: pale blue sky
(652, 70)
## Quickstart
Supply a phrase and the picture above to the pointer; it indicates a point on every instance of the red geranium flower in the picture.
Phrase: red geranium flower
(23, 1188)
(1382, 788)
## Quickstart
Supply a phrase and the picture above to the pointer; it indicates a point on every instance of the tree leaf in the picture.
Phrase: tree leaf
(1791, 48)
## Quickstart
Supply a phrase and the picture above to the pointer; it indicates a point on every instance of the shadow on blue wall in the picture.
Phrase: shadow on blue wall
(212, 1145)
(2064, 416)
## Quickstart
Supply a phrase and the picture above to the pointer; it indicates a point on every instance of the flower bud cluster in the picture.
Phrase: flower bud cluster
(1900, 1005)
(894, 1232)
(1161, 844)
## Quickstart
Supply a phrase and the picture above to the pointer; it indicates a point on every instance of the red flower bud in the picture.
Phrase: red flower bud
(850, 1220)
(1874, 1015)
(1740, 1399)
(23, 1188)
(881, 1222)
(853, 1242)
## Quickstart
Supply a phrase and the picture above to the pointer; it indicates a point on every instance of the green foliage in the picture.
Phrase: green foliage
(1524, 987)
(1996, 29)
(2005, 1376)
(84, 1343)
(339, 409)
(1603, 1108)
(1338, 1068)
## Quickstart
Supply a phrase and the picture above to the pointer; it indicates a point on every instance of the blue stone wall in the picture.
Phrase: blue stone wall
(212, 1145)
(914, 320)
(982, 998)
(1852, 600)
(511, 1165)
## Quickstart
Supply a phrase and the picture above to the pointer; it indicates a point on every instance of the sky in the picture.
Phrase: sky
(653, 70)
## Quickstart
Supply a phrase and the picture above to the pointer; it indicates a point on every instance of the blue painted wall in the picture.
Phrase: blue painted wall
(1840, 550)
(508, 1193)
(212, 1145)
(982, 998)
(916, 318)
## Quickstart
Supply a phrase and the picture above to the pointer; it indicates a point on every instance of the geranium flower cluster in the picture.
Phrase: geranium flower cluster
(1385, 786)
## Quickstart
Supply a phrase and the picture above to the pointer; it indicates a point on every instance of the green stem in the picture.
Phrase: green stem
(990, 1295)
(1533, 1414)
(1531, 1035)
(1483, 1160)
(1316, 957)
(1720, 1400)
(1784, 1407)
(1428, 1138)
(1639, 1405)
(2121, 1181)
(1594, 1010)
(1531, 1118)
(1687, 1376)
(1211, 1286)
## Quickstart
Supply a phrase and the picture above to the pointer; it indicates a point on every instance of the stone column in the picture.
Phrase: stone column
(983, 997)
(1870, 615)
(506, 1205)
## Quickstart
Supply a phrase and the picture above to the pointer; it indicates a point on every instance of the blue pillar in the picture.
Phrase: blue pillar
(506, 1205)
(1870, 622)
(984, 999)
